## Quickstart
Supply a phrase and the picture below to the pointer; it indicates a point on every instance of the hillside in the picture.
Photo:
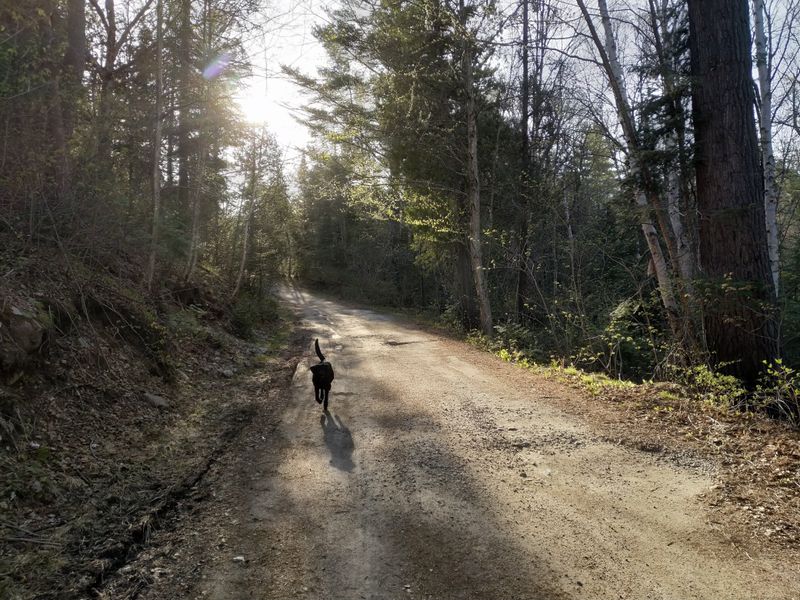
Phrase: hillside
(115, 403)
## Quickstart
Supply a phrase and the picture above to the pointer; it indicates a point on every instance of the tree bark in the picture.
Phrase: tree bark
(249, 217)
(767, 154)
(609, 58)
(156, 174)
(740, 319)
(185, 62)
(63, 167)
(74, 59)
(107, 87)
(676, 175)
(196, 197)
(245, 241)
(522, 284)
(525, 108)
(473, 184)
(464, 285)
(108, 73)
(686, 258)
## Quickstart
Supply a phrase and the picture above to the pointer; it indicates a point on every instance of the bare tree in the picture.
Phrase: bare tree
(607, 50)
(767, 153)
(107, 68)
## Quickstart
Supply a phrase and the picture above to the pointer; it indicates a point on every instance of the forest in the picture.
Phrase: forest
(607, 188)
(575, 196)
(567, 179)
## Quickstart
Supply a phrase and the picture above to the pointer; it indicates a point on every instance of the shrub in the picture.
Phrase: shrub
(704, 383)
(249, 311)
(778, 392)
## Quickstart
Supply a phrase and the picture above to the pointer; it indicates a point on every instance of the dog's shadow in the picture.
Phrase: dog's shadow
(339, 441)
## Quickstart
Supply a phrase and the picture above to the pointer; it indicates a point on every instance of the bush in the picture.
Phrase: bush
(249, 311)
(708, 385)
(778, 392)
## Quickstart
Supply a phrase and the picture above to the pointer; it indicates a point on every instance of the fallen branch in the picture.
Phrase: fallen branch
(31, 541)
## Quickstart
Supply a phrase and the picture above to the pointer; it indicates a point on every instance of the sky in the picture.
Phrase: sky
(267, 96)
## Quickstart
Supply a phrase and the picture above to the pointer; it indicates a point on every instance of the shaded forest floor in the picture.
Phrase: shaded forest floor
(115, 417)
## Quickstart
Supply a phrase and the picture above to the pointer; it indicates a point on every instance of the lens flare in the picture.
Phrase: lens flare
(217, 66)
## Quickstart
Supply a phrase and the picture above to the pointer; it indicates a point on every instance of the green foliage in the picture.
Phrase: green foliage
(778, 392)
(710, 386)
(519, 340)
(632, 343)
(401, 100)
(250, 311)
(348, 243)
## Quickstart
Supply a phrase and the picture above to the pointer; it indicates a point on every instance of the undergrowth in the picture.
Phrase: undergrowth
(85, 452)
(776, 394)
(250, 310)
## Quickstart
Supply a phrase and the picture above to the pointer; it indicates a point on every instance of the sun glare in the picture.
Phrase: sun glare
(271, 110)
(254, 106)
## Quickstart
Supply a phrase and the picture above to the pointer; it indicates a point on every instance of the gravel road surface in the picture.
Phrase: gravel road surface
(441, 472)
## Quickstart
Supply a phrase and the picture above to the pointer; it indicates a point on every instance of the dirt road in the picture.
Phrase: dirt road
(443, 473)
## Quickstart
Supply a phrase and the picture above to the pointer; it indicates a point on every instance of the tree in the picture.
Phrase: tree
(253, 156)
(740, 316)
(767, 153)
(473, 184)
(414, 98)
(108, 70)
(156, 183)
(644, 186)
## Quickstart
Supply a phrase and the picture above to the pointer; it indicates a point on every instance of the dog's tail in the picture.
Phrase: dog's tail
(319, 352)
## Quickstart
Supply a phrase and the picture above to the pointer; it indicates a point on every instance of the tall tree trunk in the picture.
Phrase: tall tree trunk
(642, 196)
(660, 266)
(156, 174)
(573, 270)
(184, 84)
(473, 184)
(63, 167)
(74, 59)
(525, 108)
(256, 149)
(686, 258)
(64, 97)
(196, 197)
(245, 242)
(767, 154)
(740, 320)
(171, 140)
(676, 175)
(105, 124)
(522, 284)
(464, 285)
(679, 203)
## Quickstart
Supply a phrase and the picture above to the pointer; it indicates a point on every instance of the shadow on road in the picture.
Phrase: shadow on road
(339, 441)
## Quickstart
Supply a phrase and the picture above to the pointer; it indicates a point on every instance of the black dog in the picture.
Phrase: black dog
(322, 377)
